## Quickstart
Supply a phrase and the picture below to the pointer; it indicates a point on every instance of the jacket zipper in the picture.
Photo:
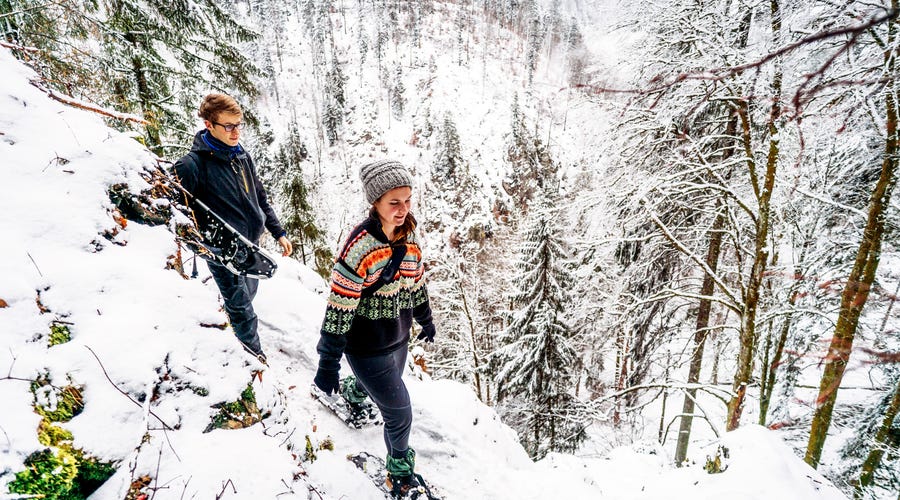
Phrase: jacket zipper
(243, 177)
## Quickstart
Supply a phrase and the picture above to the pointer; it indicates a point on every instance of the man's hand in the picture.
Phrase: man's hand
(286, 247)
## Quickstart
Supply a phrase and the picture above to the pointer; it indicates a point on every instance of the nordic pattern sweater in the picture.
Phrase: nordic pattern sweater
(370, 307)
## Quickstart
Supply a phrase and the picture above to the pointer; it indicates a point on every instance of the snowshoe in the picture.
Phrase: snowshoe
(413, 487)
(356, 413)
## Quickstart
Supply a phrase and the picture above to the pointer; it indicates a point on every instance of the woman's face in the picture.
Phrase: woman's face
(393, 206)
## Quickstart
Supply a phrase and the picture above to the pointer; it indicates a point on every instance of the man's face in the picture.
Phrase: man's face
(226, 119)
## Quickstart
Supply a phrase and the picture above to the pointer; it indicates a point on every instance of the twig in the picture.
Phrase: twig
(8, 442)
(35, 264)
(166, 427)
(288, 437)
(225, 485)
(9, 373)
(22, 11)
(314, 490)
(124, 393)
(156, 476)
(186, 483)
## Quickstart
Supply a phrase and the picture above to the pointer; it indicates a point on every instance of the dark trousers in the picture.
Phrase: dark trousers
(238, 293)
(380, 377)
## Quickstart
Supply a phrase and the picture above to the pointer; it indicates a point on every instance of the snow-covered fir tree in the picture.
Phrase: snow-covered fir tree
(448, 161)
(398, 91)
(537, 363)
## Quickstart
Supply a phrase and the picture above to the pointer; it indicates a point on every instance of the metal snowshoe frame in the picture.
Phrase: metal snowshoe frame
(363, 460)
(224, 244)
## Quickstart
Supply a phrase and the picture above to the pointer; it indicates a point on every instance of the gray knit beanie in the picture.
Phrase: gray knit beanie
(379, 177)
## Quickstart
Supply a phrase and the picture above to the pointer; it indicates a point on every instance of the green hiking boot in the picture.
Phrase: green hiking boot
(401, 473)
(351, 393)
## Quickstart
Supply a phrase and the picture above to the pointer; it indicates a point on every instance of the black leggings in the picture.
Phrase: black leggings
(380, 377)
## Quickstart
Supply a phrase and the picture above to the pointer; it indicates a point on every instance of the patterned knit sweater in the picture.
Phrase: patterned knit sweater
(376, 291)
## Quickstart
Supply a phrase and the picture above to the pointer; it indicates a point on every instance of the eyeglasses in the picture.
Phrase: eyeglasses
(231, 126)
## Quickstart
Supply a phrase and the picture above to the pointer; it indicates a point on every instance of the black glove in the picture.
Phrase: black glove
(330, 348)
(327, 380)
(427, 333)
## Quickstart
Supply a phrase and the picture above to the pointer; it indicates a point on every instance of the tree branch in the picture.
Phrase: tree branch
(71, 101)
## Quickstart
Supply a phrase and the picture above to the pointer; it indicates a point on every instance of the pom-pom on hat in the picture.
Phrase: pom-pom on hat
(381, 176)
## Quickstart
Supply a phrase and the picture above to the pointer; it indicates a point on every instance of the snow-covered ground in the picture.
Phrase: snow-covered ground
(136, 331)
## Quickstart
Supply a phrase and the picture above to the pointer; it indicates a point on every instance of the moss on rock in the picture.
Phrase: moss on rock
(52, 435)
(57, 404)
(64, 474)
(59, 334)
(238, 414)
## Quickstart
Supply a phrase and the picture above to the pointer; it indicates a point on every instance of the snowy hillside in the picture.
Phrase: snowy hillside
(146, 366)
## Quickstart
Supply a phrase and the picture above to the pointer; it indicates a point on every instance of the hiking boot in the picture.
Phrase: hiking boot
(401, 473)
(354, 395)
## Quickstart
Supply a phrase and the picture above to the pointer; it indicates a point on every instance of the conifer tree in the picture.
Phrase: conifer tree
(298, 215)
(334, 100)
(576, 55)
(56, 30)
(529, 159)
(362, 40)
(535, 39)
(537, 363)
(448, 159)
(140, 40)
(398, 100)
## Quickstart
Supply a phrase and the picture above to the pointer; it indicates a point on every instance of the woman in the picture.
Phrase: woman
(376, 291)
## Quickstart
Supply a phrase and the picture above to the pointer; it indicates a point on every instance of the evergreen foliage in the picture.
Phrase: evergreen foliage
(530, 161)
(867, 421)
(448, 161)
(537, 358)
(333, 115)
(397, 91)
(146, 57)
(53, 38)
(298, 217)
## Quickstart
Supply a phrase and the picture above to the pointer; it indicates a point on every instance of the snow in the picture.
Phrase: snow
(143, 323)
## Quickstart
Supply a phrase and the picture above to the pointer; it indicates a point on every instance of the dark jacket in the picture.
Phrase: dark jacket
(226, 181)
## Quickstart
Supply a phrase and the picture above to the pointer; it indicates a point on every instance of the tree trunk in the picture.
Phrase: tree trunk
(744, 369)
(771, 367)
(859, 283)
(622, 357)
(476, 369)
(867, 476)
(144, 96)
(700, 334)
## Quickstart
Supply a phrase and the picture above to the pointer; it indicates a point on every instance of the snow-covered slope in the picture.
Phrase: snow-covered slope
(150, 372)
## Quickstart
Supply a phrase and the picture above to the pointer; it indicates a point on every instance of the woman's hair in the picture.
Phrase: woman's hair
(213, 104)
(400, 234)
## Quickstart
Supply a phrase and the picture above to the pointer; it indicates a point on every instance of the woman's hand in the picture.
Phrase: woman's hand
(427, 333)
(328, 381)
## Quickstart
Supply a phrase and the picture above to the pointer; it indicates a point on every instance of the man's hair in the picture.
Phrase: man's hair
(213, 104)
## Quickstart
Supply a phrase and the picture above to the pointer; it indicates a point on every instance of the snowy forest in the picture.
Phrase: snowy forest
(642, 220)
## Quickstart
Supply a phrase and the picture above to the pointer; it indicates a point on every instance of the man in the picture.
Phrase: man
(221, 174)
